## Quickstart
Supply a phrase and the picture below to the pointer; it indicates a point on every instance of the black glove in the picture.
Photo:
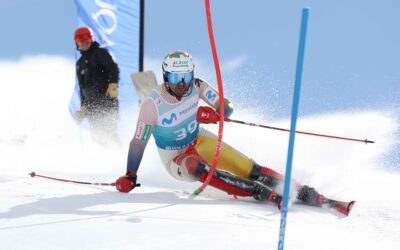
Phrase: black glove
(127, 182)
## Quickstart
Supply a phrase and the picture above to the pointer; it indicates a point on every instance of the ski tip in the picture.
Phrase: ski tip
(33, 174)
(349, 207)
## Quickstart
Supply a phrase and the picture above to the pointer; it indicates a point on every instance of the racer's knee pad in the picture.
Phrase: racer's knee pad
(266, 175)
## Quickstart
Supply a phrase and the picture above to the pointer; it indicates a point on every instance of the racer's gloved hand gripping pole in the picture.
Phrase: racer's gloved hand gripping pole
(127, 182)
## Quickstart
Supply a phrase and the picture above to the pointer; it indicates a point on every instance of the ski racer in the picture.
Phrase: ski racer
(187, 150)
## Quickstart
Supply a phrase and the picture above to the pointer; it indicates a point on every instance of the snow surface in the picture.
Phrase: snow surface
(39, 135)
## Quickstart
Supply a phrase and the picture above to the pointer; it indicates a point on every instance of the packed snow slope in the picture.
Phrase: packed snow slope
(38, 134)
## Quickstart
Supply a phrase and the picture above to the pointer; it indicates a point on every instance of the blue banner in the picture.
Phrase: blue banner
(116, 26)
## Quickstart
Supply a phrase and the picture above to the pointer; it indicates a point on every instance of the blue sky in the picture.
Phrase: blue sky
(351, 61)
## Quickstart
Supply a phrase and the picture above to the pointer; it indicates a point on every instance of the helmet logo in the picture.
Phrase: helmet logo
(180, 63)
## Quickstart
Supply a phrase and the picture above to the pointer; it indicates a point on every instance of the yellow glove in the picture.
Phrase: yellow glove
(112, 90)
(80, 114)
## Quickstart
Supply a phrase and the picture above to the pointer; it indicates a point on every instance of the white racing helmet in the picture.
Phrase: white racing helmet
(177, 62)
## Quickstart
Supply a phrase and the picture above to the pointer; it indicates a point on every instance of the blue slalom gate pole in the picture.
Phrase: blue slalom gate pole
(295, 108)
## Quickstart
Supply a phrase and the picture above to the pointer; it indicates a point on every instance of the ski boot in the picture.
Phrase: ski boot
(265, 193)
(309, 196)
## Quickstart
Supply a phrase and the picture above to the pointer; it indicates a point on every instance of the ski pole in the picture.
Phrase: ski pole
(208, 115)
(300, 132)
(33, 174)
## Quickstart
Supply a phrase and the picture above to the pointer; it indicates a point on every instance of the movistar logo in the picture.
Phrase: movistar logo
(210, 95)
(170, 120)
(186, 110)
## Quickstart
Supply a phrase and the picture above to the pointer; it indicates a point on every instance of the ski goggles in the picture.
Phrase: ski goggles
(175, 78)
(80, 40)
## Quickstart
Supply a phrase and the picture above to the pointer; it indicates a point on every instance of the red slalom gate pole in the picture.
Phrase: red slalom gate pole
(221, 100)
(33, 174)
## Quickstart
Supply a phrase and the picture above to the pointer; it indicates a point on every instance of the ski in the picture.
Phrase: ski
(143, 82)
(340, 206)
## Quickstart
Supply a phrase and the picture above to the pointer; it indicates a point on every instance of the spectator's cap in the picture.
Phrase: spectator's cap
(83, 34)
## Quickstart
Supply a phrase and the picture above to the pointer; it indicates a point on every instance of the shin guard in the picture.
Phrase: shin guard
(238, 186)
